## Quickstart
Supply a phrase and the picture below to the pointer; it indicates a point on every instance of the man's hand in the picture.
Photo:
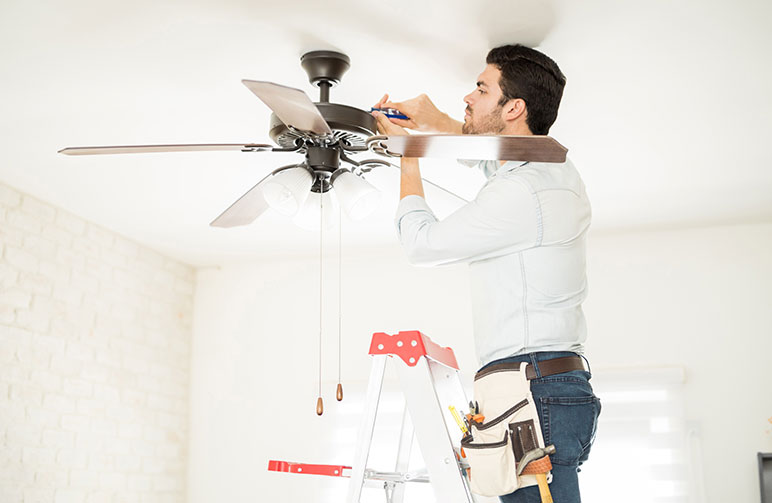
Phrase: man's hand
(423, 115)
(386, 126)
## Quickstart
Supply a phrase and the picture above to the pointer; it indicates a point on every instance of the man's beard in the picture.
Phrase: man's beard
(490, 124)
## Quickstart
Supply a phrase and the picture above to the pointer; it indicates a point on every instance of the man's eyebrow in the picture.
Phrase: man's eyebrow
(480, 83)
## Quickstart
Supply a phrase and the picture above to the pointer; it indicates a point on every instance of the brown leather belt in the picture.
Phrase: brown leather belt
(546, 367)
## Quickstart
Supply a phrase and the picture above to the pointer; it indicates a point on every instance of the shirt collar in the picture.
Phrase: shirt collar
(494, 168)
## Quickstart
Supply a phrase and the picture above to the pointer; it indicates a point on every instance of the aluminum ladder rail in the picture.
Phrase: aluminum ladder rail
(429, 378)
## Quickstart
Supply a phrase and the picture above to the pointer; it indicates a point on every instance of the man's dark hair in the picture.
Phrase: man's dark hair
(533, 77)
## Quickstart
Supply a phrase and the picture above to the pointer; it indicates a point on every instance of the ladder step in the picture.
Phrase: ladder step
(309, 469)
(397, 476)
(344, 471)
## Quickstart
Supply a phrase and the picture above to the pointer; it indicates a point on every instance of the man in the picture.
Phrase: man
(524, 238)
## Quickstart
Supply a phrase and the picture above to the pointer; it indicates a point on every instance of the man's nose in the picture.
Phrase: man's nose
(468, 98)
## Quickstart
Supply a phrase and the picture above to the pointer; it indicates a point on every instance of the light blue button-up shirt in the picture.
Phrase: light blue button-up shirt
(524, 238)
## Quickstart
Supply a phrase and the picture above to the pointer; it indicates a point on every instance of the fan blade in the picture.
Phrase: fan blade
(474, 146)
(440, 187)
(379, 162)
(143, 149)
(292, 106)
(248, 207)
(245, 209)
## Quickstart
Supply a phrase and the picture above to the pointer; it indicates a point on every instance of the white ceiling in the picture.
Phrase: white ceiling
(667, 110)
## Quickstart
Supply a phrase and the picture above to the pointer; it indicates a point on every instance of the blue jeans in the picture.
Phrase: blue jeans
(568, 411)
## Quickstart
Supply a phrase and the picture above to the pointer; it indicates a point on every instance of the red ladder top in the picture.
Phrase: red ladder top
(410, 346)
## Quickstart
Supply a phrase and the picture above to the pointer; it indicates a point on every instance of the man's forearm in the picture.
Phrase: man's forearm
(410, 181)
(450, 126)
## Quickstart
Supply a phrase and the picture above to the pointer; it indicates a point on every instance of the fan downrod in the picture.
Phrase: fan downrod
(325, 69)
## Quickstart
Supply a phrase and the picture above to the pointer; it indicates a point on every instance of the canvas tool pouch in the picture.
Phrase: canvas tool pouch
(510, 429)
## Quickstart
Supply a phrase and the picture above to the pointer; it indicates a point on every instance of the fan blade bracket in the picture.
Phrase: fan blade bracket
(269, 148)
(354, 149)
(379, 145)
(370, 164)
(258, 148)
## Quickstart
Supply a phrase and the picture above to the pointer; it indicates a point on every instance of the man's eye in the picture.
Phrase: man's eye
(481, 91)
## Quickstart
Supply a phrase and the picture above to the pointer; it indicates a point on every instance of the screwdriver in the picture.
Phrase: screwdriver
(458, 419)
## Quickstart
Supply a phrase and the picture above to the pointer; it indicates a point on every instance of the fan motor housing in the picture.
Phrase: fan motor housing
(350, 125)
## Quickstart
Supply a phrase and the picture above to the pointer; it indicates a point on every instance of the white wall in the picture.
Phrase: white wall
(700, 298)
(697, 298)
(94, 361)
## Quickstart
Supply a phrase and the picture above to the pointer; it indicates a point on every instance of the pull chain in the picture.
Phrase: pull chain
(319, 401)
(339, 391)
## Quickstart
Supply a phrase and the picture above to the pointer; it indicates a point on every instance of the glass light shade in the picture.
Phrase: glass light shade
(358, 197)
(308, 216)
(288, 189)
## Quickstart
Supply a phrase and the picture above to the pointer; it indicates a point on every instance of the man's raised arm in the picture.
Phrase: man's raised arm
(423, 115)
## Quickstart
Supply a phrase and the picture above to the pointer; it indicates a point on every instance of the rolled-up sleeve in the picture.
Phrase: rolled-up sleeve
(504, 218)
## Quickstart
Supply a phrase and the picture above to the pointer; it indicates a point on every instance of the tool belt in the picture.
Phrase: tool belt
(511, 426)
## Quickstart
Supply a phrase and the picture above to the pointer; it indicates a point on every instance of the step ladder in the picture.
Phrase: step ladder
(429, 379)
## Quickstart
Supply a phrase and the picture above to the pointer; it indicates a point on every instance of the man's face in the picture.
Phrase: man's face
(483, 112)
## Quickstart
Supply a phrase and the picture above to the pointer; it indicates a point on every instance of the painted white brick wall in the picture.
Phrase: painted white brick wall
(95, 337)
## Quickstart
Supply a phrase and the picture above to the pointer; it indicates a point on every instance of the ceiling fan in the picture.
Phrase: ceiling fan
(326, 134)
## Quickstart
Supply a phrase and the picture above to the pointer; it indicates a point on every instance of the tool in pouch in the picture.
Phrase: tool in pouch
(508, 437)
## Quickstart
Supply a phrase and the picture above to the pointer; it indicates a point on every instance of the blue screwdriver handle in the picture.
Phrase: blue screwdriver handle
(391, 113)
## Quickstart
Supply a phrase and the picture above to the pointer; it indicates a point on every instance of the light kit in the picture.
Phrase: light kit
(357, 196)
(287, 190)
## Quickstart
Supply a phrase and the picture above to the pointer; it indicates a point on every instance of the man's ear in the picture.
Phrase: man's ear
(515, 109)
